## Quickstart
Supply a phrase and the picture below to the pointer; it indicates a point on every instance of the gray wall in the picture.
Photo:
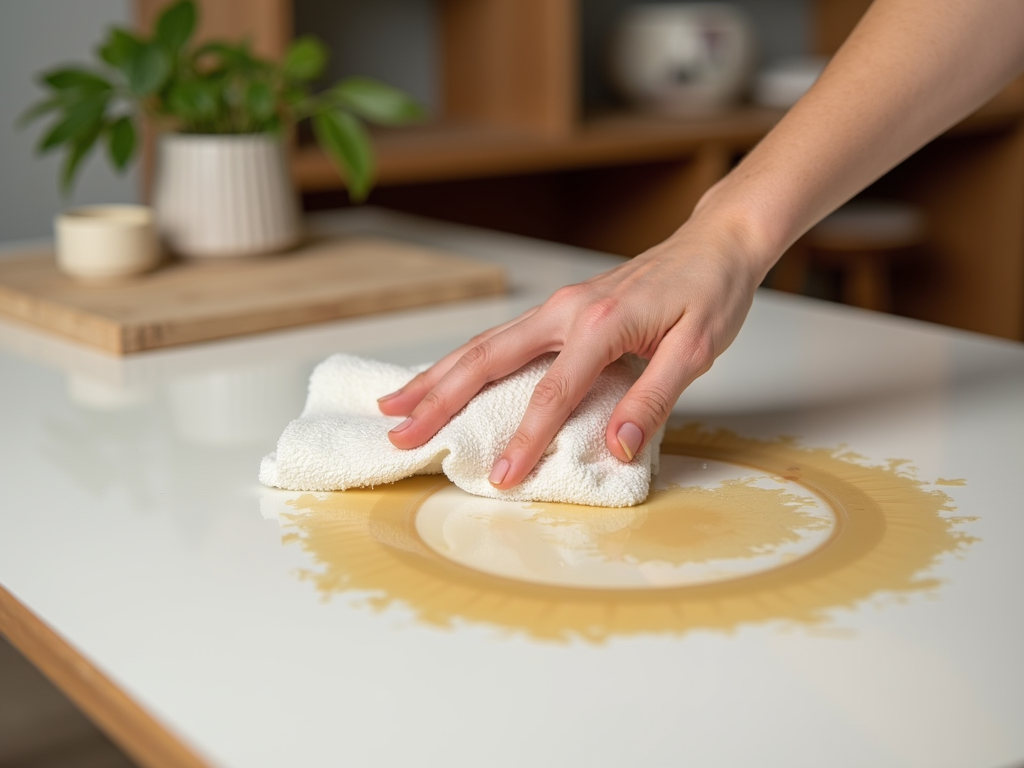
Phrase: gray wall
(392, 40)
(36, 35)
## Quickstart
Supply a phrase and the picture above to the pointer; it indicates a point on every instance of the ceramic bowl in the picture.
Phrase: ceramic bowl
(106, 243)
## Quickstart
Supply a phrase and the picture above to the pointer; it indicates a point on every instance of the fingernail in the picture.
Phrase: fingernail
(498, 472)
(402, 427)
(388, 397)
(630, 437)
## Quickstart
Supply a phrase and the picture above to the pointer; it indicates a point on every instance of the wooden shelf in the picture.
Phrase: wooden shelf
(449, 151)
(442, 152)
(509, 131)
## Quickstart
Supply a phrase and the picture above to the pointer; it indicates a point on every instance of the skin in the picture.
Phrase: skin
(909, 71)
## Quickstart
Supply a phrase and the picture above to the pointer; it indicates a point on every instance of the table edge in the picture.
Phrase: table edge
(110, 708)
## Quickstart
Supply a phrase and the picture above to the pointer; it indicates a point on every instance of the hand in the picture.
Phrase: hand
(678, 305)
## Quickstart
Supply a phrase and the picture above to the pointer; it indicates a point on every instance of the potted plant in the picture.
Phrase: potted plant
(223, 187)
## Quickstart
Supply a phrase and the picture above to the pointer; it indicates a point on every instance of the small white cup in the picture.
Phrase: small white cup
(106, 243)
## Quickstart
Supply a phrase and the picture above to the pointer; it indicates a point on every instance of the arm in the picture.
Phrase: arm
(910, 70)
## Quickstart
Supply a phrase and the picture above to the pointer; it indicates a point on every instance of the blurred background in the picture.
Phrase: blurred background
(541, 123)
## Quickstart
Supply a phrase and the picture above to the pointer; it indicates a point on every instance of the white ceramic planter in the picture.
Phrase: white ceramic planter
(682, 58)
(224, 196)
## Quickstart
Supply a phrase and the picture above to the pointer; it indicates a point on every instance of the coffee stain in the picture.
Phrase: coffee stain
(889, 531)
(734, 520)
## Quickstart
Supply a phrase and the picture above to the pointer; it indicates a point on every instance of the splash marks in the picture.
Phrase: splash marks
(823, 528)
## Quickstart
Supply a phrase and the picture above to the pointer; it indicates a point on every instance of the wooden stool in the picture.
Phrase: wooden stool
(860, 240)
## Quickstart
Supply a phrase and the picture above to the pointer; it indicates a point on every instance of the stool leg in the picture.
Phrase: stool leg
(866, 282)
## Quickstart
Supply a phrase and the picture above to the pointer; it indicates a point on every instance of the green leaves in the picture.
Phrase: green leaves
(120, 48)
(305, 59)
(175, 25)
(259, 100)
(337, 116)
(121, 142)
(66, 79)
(194, 102)
(376, 102)
(346, 141)
(219, 87)
(79, 121)
(81, 146)
(148, 65)
(148, 69)
(37, 110)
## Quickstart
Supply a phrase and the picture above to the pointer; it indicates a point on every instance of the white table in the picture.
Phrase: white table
(141, 575)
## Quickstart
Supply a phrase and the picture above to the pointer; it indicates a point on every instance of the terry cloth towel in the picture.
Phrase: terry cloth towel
(340, 440)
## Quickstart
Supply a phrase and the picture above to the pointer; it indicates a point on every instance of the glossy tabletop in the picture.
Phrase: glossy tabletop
(255, 627)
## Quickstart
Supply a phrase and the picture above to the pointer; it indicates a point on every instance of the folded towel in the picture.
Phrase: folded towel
(340, 440)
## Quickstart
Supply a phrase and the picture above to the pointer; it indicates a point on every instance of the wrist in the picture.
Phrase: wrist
(741, 228)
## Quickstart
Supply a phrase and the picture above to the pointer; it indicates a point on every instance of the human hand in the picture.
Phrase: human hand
(679, 305)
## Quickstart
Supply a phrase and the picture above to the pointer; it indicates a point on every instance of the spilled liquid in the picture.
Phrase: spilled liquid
(774, 532)
(700, 524)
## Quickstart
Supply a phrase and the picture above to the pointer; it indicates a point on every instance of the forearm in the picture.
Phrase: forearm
(910, 70)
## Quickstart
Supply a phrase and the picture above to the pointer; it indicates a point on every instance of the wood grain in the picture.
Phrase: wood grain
(134, 729)
(972, 192)
(454, 151)
(41, 728)
(450, 150)
(510, 63)
(189, 302)
(628, 209)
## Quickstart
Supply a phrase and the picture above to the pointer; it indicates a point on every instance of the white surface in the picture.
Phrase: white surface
(131, 523)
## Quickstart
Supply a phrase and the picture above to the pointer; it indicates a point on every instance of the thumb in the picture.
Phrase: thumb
(649, 402)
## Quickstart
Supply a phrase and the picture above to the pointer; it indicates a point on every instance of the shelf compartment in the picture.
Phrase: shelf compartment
(447, 151)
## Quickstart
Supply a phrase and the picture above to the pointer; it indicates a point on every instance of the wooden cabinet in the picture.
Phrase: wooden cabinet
(510, 149)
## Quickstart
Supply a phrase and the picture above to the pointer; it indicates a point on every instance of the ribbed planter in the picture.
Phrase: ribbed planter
(225, 196)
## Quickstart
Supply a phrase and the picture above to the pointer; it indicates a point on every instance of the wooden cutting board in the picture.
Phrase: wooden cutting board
(189, 301)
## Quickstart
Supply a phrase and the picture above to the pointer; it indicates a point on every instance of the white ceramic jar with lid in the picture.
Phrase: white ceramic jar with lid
(682, 58)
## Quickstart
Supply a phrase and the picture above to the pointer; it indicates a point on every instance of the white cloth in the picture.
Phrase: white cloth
(340, 440)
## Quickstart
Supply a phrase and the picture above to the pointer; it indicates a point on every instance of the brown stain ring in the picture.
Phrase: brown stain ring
(889, 532)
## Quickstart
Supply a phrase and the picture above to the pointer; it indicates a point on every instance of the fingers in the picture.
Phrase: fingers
(495, 357)
(402, 402)
(554, 398)
(681, 357)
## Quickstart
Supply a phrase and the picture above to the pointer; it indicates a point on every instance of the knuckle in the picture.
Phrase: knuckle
(521, 442)
(416, 382)
(700, 353)
(655, 401)
(566, 294)
(600, 312)
(551, 393)
(479, 339)
(476, 358)
(432, 401)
